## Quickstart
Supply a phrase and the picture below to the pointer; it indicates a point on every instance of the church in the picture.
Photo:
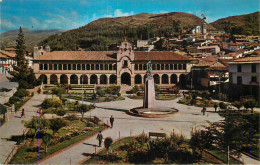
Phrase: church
(124, 66)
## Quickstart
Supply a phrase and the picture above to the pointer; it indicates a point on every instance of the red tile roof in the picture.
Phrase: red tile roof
(248, 59)
(111, 56)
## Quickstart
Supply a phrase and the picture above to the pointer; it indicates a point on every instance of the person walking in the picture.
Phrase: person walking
(40, 112)
(112, 121)
(215, 106)
(203, 111)
(99, 137)
(22, 113)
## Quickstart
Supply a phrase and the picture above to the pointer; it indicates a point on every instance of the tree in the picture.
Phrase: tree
(108, 141)
(21, 72)
(229, 132)
(83, 108)
(46, 139)
(201, 139)
(56, 124)
(60, 112)
(38, 124)
(3, 110)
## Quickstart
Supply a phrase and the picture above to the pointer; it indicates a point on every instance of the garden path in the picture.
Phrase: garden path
(15, 127)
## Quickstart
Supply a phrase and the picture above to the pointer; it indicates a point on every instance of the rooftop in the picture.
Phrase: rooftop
(111, 56)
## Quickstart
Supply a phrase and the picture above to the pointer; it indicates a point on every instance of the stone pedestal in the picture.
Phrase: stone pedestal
(149, 93)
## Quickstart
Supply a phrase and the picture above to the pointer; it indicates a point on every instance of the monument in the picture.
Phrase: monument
(149, 108)
(149, 91)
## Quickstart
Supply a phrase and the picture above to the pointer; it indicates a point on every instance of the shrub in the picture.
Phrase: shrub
(113, 89)
(32, 94)
(250, 103)
(237, 104)
(3, 109)
(222, 97)
(47, 103)
(60, 112)
(142, 138)
(222, 105)
(21, 93)
(135, 89)
(108, 141)
(71, 117)
(14, 99)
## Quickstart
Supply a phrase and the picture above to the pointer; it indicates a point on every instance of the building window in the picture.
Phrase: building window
(92, 67)
(55, 66)
(101, 67)
(64, 66)
(106, 67)
(162, 66)
(60, 66)
(254, 79)
(184, 66)
(110, 67)
(239, 68)
(171, 66)
(140, 67)
(69, 66)
(125, 63)
(153, 67)
(78, 67)
(97, 66)
(50, 66)
(83, 67)
(166, 66)
(74, 67)
(41, 67)
(239, 80)
(253, 66)
(114, 67)
(179, 67)
(158, 66)
(175, 66)
(45, 67)
(145, 67)
(88, 67)
(136, 67)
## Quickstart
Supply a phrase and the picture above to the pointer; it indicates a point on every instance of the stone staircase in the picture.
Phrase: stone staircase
(125, 88)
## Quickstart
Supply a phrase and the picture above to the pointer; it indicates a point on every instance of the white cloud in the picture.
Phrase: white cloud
(160, 12)
(119, 13)
(35, 23)
(6, 24)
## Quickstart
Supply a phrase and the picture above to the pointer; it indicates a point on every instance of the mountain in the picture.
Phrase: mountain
(106, 31)
(32, 37)
(240, 24)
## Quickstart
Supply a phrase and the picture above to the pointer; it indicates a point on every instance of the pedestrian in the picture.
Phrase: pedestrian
(22, 113)
(99, 137)
(203, 110)
(215, 106)
(39, 90)
(112, 121)
(40, 112)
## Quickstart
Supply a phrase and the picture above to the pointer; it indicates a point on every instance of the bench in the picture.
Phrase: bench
(157, 134)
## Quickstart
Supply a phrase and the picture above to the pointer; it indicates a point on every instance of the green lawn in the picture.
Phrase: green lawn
(119, 149)
(28, 154)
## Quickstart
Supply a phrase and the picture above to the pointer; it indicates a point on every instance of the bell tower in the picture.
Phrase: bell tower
(125, 66)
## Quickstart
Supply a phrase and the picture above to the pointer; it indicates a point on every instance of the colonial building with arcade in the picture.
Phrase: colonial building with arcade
(124, 66)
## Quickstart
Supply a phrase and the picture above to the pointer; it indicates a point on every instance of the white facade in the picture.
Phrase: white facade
(242, 72)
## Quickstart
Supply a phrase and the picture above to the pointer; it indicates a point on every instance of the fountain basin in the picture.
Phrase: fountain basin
(152, 113)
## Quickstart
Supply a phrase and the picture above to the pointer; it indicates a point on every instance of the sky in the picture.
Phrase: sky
(70, 14)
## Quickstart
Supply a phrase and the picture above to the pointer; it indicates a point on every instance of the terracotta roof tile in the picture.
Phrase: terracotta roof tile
(79, 55)
(160, 56)
(111, 56)
(248, 59)
(4, 53)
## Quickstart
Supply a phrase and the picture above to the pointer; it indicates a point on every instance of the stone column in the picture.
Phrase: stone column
(160, 79)
(178, 78)
(142, 79)
(48, 79)
(169, 79)
(68, 79)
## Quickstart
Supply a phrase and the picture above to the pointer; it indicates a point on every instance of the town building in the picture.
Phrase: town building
(245, 75)
(124, 66)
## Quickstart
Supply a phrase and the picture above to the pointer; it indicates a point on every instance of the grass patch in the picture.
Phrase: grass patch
(222, 156)
(28, 155)
(21, 103)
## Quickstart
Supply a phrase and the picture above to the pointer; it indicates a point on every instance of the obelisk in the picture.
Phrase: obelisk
(149, 91)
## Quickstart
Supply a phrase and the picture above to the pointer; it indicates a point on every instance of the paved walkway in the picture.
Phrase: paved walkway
(187, 118)
(15, 127)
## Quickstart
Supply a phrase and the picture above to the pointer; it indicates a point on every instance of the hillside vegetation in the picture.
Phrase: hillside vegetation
(106, 31)
(32, 37)
(240, 24)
